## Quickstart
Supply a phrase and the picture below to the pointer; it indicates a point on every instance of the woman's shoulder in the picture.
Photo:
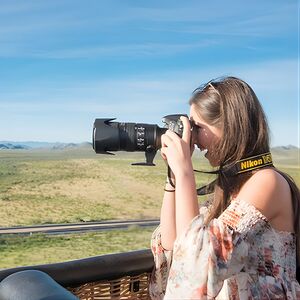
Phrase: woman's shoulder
(270, 178)
(269, 192)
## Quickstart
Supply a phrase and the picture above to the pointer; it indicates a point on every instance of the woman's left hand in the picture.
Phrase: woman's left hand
(177, 150)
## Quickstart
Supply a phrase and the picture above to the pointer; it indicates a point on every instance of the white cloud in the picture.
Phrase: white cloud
(129, 50)
(23, 27)
(148, 97)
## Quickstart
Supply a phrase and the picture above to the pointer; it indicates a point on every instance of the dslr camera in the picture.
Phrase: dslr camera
(115, 136)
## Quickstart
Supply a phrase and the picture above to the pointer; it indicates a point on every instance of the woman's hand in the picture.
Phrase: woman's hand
(177, 151)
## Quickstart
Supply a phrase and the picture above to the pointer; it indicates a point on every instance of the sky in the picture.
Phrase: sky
(64, 63)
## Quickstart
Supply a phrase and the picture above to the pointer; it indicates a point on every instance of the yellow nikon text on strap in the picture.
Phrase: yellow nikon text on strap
(241, 166)
(254, 162)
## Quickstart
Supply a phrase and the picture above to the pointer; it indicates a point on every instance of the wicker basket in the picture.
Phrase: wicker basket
(116, 276)
(127, 287)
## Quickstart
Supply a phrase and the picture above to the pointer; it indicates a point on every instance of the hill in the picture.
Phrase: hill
(42, 145)
(7, 146)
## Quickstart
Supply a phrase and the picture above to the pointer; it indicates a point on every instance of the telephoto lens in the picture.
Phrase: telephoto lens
(114, 136)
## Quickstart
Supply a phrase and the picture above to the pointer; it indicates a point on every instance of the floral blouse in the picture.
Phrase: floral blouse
(237, 256)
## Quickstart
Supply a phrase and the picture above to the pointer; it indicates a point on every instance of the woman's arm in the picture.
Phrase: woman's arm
(167, 218)
(187, 207)
(177, 152)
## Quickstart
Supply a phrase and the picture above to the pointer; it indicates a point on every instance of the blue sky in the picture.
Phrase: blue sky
(64, 63)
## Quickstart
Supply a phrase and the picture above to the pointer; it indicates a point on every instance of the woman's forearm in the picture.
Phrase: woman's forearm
(187, 207)
(167, 219)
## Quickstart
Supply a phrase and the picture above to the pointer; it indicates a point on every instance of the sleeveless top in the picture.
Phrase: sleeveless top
(236, 256)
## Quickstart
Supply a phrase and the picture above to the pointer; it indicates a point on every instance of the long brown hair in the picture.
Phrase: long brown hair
(230, 104)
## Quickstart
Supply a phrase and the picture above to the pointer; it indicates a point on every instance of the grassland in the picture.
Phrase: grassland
(65, 186)
(40, 187)
(42, 249)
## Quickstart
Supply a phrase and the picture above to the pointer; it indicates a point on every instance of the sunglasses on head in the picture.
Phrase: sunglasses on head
(210, 84)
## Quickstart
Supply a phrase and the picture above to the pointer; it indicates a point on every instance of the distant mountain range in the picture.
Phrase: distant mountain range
(6, 145)
(282, 148)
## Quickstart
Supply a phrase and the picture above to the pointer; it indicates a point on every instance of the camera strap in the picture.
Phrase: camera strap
(241, 166)
(170, 180)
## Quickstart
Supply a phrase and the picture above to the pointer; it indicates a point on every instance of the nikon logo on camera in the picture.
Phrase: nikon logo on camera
(254, 162)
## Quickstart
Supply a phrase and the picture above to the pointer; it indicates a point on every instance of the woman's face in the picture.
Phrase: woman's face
(205, 136)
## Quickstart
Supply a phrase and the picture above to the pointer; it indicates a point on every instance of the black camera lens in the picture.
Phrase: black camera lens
(115, 136)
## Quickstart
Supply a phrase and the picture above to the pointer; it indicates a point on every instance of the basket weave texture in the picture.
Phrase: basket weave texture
(127, 287)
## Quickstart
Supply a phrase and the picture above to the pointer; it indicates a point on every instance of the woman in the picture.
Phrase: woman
(243, 244)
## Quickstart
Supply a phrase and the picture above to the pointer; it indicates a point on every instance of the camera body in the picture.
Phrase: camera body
(173, 123)
(114, 136)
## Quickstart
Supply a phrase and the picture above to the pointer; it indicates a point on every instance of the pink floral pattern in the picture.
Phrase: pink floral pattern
(237, 256)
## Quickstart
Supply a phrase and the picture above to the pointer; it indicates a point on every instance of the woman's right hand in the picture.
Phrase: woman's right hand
(176, 151)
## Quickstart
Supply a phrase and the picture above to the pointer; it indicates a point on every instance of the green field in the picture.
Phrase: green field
(41, 249)
(40, 187)
(76, 185)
